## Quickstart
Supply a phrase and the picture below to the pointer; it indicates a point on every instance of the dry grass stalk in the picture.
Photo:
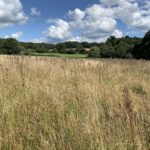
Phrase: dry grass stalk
(72, 104)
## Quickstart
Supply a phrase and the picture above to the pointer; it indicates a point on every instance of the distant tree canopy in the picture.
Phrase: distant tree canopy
(125, 47)
(10, 46)
(142, 50)
(115, 48)
(95, 52)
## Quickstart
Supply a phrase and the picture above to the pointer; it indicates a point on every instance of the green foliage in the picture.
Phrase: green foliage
(72, 51)
(59, 55)
(123, 50)
(138, 89)
(2, 42)
(54, 50)
(22, 49)
(95, 52)
(35, 46)
(81, 51)
(125, 47)
(142, 50)
(10, 46)
(41, 50)
(107, 51)
(86, 45)
(115, 48)
(25, 51)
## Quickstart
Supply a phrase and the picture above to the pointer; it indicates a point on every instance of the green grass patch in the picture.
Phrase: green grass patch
(138, 89)
(60, 55)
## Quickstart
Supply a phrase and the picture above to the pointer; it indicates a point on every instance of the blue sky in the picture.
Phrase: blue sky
(73, 20)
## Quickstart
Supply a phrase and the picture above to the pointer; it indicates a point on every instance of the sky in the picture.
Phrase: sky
(56, 21)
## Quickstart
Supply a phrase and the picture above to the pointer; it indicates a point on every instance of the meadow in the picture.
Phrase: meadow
(59, 55)
(74, 104)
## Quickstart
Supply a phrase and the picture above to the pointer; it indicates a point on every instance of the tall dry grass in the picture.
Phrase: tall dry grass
(73, 104)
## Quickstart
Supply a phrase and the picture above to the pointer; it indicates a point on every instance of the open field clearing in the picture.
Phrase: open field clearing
(74, 104)
(60, 55)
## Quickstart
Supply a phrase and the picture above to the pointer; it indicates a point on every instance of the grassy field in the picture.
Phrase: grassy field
(60, 55)
(74, 104)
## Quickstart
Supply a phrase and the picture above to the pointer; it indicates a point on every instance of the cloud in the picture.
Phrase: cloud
(117, 33)
(35, 12)
(61, 30)
(131, 12)
(77, 16)
(16, 35)
(94, 22)
(40, 40)
(98, 21)
(11, 12)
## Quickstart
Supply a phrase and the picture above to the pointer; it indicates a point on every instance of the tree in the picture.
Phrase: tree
(142, 50)
(10, 46)
(42, 50)
(86, 45)
(111, 40)
(94, 52)
(107, 51)
(122, 50)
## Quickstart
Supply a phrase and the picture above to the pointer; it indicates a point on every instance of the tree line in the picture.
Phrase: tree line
(125, 47)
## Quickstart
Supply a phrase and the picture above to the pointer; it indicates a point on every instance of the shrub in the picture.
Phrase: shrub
(42, 50)
(95, 52)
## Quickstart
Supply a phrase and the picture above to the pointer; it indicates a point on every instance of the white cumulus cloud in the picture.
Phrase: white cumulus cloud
(99, 21)
(61, 30)
(11, 12)
(117, 33)
(77, 16)
(132, 12)
(16, 35)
